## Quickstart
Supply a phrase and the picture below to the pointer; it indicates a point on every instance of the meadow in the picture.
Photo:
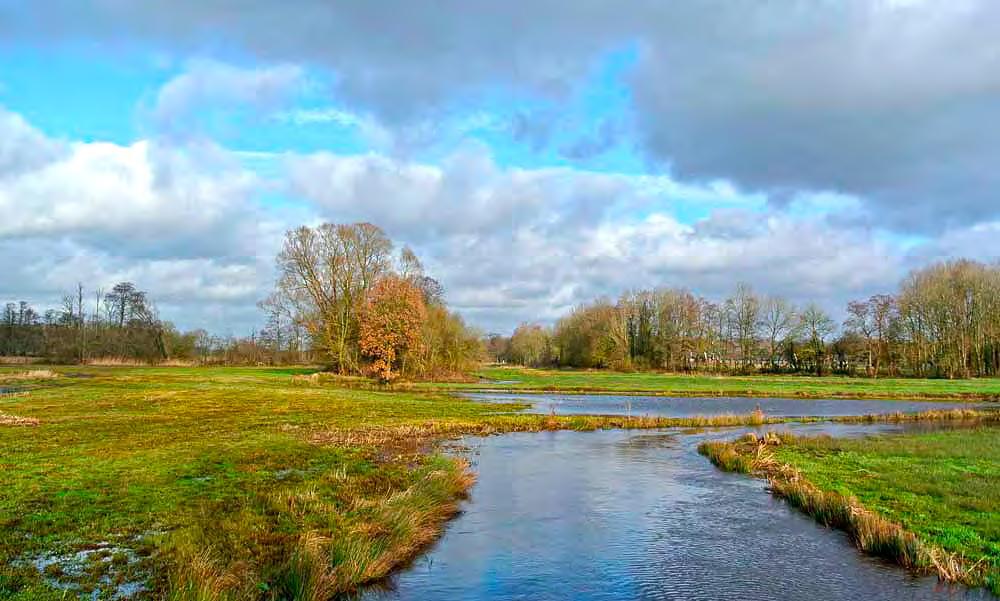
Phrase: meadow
(520, 379)
(234, 483)
(224, 483)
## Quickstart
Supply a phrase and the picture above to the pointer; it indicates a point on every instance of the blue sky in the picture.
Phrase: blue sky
(535, 157)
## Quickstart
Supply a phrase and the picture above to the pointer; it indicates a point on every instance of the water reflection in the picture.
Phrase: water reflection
(578, 404)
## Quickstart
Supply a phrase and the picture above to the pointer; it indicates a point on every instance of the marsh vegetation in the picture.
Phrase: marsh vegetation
(225, 483)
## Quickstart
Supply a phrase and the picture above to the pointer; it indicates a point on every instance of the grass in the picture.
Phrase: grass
(648, 383)
(236, 483)
(927, 501)
(215, 480)
(226, 483)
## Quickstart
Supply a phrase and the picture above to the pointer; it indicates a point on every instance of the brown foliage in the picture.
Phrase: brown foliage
(391, 325)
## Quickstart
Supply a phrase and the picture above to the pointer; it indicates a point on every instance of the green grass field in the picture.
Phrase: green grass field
(942, 486)
(203, 483)
(176, 475)
(600, 381)
(234, 483)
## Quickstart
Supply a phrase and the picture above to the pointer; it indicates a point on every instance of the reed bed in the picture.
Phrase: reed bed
(415, 435)
(958, 414)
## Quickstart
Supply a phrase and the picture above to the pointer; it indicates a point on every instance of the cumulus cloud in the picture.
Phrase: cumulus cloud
(181, 222)
(894, 102)
(129, 196)
(468, 194)
(519, 244)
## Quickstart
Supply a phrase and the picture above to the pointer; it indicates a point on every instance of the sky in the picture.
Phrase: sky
(535, 155)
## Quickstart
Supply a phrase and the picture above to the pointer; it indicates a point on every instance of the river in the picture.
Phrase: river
(612, 515)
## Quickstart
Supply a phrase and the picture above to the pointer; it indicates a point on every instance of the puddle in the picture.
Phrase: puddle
(101, 571)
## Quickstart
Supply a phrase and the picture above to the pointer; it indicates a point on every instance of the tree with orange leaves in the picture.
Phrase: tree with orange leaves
(391, 323)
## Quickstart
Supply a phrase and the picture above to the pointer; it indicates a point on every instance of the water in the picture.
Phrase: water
(575, 404)
(639, 515)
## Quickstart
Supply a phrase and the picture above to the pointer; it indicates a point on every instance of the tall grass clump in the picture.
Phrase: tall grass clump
(312, 544)
(33, 374)
(870, 532)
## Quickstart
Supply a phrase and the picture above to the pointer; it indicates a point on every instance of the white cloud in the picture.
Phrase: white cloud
(521, 244)
(891, 101)
(182, 222)
(131, 195)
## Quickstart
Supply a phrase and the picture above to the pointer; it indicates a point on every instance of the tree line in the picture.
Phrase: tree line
(121, 322)
(122, 326)
(344, 297)
(943, 321)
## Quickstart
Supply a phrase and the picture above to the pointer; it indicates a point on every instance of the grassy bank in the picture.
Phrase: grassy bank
(609, 382)
(926, 501)
(230, 483)
(202, 483)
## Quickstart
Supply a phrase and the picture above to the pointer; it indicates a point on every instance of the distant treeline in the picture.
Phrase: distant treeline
(343, 299)
(943, 321)
(122, 326)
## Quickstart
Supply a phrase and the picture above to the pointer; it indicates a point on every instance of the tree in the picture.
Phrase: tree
(448, 346)
(390, 325)
(743, 309)
(531, 345)
(498, 348)
(817, 326)
(776, 323)
(861, 322)
(325, 272)
(593, 336)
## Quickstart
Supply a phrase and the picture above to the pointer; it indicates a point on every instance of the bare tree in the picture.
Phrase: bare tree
(743, 309)
(817, 326)
(325, 272)
(776, 323)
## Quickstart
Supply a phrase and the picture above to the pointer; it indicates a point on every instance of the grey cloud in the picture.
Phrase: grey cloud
(894, 102)
(511, 245)
(207, 84)
(896, 105)
(22, 147)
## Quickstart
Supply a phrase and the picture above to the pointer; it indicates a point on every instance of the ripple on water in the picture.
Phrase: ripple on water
(619, 515)
(576, 404)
